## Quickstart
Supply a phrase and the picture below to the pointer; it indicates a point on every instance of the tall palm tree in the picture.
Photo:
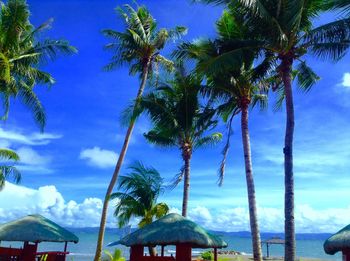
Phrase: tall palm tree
(284, 29)
(236, 87)
(7, 170)
(180, 121)
(141, 188)
(139, 47)
(21, 54)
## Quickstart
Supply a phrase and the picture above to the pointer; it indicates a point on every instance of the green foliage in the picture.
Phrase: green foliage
(116, 256)
(21, 55)
(178, 117)
(208, 255)
(141, 188)
(140, 44)
(7, 169)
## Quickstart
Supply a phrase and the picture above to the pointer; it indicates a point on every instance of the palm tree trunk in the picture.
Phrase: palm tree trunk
(114, 178)
(254, 226)
(185, 197)
(289, 227)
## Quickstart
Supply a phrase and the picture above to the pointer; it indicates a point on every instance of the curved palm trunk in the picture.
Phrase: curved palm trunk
(113, 181)
(253, 216)
(289, 250)
(185, 197)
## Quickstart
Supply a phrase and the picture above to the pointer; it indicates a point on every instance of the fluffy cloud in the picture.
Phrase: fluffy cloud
(99, 157)
(30, 139)
(30, 159)
(307, 219)
(17, 201)
(346, 80)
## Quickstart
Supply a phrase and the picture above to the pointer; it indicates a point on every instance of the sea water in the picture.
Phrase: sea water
(308, 245)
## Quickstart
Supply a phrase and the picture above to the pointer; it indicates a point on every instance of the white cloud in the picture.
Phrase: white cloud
(307, 219)
(31, 160)
(17, 201)
(346, 80)
(31, 157)
(99, 157)
(30, 139)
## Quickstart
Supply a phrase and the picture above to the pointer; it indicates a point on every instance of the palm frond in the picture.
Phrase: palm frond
(215, 2)
(7, 154)
(9, 172)
(225, 151)
(31, 100)
(306, 77)
(177, 179)
(211, 140)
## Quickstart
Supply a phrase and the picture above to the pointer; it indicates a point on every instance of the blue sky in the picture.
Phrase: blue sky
(66, 169)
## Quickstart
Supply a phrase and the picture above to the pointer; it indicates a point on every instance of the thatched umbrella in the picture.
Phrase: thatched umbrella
(340, 241)
(272, 241)
(172, 229)
(36, 229)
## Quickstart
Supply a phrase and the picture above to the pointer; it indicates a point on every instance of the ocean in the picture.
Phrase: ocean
(308, 245)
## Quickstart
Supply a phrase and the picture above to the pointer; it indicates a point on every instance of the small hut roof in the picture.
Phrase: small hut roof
(172, 229)
(35, 228)
(274, 240)
(338, 242)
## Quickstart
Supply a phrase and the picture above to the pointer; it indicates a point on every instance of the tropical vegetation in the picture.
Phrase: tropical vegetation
(284, 31)
(116, 256)
(140, 191)
(138, 199)
(7, 169)
(22, 53)
(262, 46)
(235, 89)
(180, 120)
(138, 47)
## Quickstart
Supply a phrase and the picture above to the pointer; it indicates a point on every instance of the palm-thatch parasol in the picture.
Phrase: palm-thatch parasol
(172, 229)
(35, 228)
(340, 241)
(272, 241)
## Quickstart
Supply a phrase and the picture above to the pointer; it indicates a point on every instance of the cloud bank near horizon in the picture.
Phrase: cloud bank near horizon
(18, 201)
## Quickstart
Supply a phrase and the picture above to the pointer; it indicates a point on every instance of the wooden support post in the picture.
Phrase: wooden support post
(215, 254)
(267, 248)
(162, 250)
(136, 253)
(183, 252)
(346, 255)
(65, 246)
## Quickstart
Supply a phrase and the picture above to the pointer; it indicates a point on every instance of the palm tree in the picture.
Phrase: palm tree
(7, 169)
(180, 121)
(235, 88)
(141, 188)
(342, 5)
(21, 54)
(139, 47)
(284, 29)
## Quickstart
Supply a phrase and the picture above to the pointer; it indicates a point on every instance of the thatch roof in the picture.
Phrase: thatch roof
(35, 228)
(274, 240)
(172, 229)
(338, 242)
